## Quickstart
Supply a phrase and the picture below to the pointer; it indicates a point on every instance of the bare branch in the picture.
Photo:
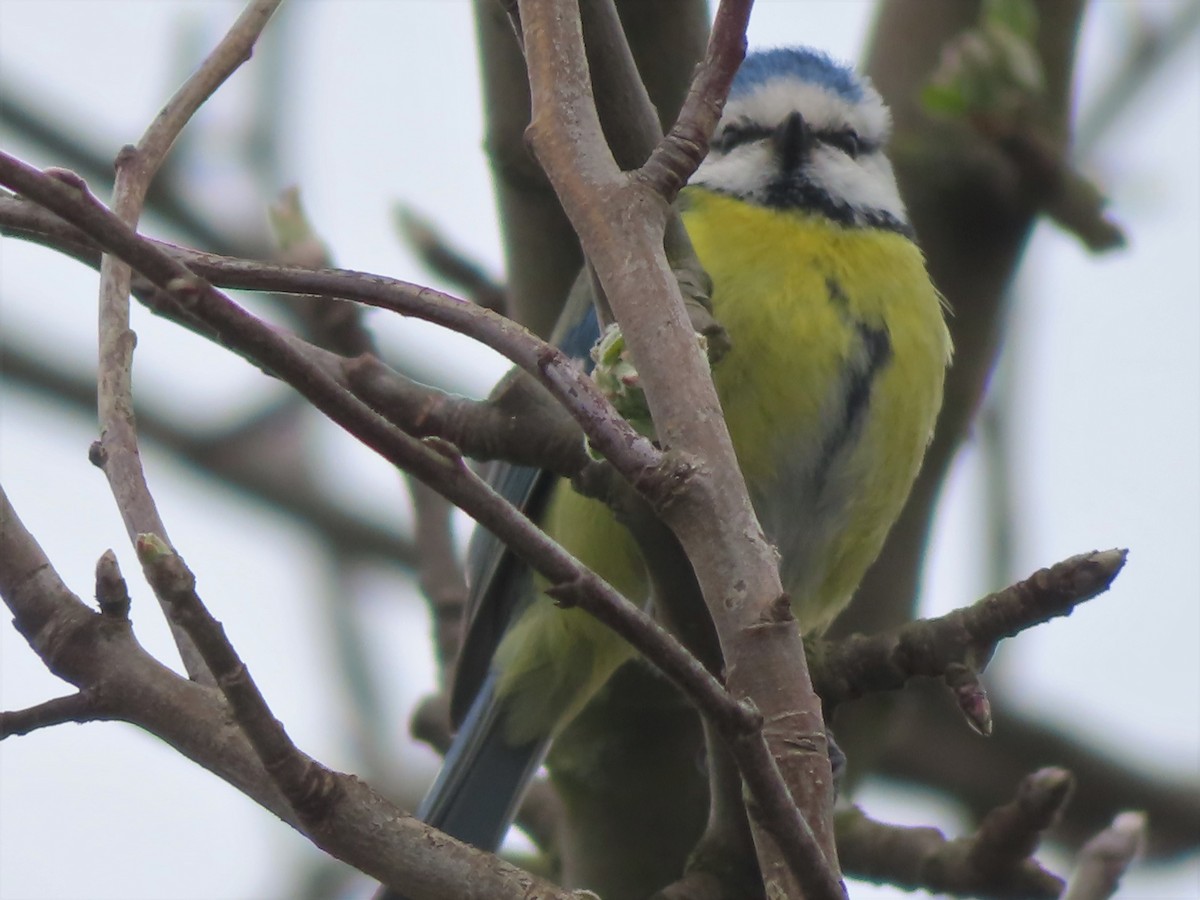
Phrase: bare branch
(857, 665)
(309, 787)
(442, 258)
(995, 862)
(80, 707)
(923, 721)
(606, 429)
(435, 463)
(519, 423)
(136, 168)
(101, 657)
(681, 151)
(1010, 834)
(620, 222)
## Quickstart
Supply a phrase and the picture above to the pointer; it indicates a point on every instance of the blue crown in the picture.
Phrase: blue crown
(799, 63)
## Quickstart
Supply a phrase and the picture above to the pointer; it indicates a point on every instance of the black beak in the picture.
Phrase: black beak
(793, 140)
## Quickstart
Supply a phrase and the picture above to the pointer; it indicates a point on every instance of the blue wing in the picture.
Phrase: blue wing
(483, 777)
(498, 580)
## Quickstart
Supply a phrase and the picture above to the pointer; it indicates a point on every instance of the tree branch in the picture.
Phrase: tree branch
(118, 453)
(79, 708)
(100, 656)
(858, 664)
(518, 425)
(986, 769)
(620, 222)
(607, 431)
(436, 464)
(679, 154)
(996, 862)
(28, 115)
(441, 257)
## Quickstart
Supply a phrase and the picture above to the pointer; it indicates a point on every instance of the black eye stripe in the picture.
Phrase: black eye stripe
(844, 139)
(736, 135)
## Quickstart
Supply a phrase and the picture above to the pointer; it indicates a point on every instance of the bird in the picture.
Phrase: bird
(830, 390)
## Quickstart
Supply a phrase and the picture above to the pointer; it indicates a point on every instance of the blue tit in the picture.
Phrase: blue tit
(830, 391)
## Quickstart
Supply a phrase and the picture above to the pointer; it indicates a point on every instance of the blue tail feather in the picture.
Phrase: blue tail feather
(483, 778)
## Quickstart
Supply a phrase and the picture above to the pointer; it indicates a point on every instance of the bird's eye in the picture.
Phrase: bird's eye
(847, 141)
(730, 137)
(736, 134)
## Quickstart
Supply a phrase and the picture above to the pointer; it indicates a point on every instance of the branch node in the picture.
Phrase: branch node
(126, 156)
(69, 178)
(443, 448)
(566, 594)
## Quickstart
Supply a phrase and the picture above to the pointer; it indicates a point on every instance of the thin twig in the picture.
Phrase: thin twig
(916, 858)
(136, 168)
(442, 258)
(309, 787)
(859, 664)
(79, 707)
(1009, 835)
(681, 151)
(922, 724)
(520, 424)
(633, 455)
(500, 428)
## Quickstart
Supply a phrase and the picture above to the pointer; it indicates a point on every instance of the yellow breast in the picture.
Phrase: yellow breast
(830, 391)
(832, 384)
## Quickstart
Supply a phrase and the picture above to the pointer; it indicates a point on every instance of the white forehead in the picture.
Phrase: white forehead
(772, 102)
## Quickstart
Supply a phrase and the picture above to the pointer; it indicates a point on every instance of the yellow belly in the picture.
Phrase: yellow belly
(830, 392)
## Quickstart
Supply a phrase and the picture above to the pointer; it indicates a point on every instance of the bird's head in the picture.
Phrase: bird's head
(802, 132)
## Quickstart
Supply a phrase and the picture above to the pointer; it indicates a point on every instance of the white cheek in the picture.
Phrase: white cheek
(866, 183)
(742, 172)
